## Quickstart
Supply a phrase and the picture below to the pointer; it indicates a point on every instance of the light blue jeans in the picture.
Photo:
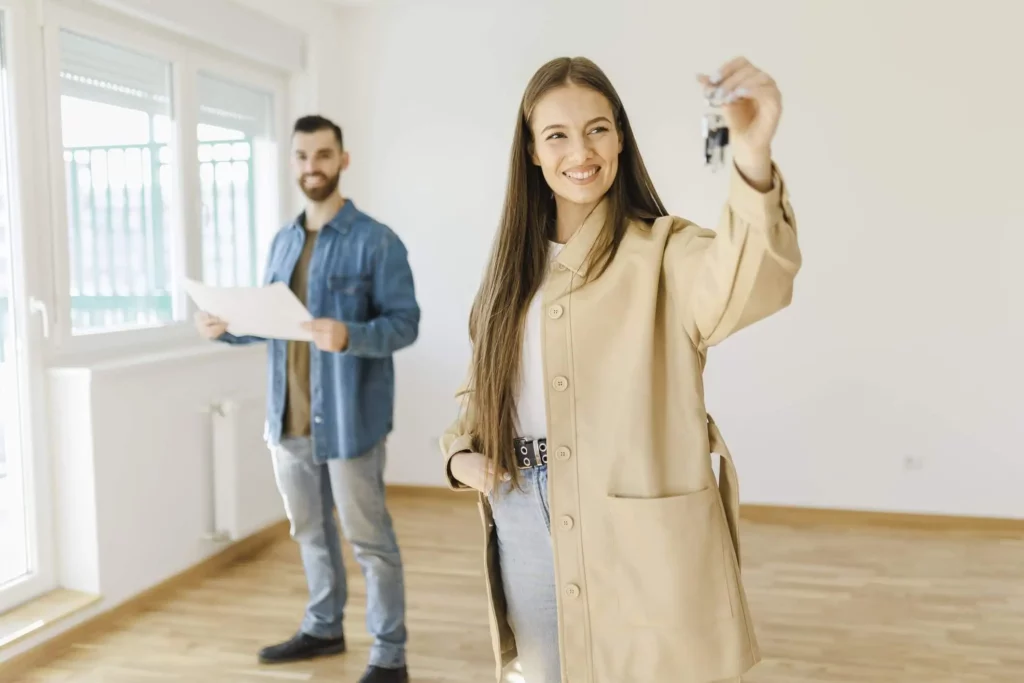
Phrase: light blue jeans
(523, 522)
(356, 488)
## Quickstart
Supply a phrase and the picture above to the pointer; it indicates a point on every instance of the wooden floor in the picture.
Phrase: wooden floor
(832, 605)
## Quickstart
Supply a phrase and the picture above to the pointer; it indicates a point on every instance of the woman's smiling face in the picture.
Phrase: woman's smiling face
(576, 143)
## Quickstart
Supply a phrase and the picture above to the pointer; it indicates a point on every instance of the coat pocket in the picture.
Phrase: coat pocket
(672, 568)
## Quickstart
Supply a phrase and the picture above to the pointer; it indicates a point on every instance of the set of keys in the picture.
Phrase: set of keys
(716, 135)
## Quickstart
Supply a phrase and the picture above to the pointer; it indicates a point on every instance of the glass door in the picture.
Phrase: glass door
(25, 569)
(13, 556)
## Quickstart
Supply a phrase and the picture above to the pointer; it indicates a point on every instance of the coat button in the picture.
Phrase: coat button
(560, 384)
(566, 522)
(572, 590)
(318, 419)
(562, 453)
(555, 312)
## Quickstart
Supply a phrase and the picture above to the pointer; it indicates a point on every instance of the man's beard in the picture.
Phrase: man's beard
(320, 192)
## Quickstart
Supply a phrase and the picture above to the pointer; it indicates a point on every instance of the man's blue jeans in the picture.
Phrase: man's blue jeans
(356, 488)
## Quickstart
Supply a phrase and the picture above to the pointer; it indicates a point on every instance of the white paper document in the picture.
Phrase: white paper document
(271, 312)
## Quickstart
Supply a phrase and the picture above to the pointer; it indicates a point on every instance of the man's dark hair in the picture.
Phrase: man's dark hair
(315, 122)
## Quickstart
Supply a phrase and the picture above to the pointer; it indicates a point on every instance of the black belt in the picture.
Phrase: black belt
(531, 453)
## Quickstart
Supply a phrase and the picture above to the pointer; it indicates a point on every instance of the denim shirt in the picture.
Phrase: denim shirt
(359, 274)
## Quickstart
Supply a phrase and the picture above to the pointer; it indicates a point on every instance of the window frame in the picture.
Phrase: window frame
(186, 59)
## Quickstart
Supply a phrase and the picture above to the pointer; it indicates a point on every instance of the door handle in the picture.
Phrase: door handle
(37, 306)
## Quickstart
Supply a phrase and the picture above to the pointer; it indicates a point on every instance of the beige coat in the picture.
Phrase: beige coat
(645, 543)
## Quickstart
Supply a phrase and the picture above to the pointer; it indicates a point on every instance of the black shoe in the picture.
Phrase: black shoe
(301, 646)
(376, 674)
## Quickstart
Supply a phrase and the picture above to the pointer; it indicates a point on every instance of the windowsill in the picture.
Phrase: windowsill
(41, 613)
(125, 359)
(86, 349)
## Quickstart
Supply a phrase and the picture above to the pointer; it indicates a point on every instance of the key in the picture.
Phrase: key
(716, 136)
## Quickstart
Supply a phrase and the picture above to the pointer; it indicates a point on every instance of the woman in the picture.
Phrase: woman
(616, 558)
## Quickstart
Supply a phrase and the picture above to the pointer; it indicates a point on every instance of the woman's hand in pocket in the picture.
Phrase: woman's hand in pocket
(473, 470)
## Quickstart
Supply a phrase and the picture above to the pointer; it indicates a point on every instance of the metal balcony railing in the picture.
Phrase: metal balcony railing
(119, 245)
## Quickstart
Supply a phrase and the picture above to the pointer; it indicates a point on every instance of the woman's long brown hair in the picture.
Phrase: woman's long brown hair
(520, 255)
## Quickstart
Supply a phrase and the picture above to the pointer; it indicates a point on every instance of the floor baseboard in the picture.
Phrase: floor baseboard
(812, 516)
(796, 516)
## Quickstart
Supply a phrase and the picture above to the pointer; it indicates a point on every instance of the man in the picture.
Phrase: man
(330, 403)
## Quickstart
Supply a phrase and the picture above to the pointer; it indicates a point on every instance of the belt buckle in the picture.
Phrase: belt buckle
(540, 453)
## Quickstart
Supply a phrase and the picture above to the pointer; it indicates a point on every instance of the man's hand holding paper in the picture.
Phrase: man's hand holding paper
(270, 312)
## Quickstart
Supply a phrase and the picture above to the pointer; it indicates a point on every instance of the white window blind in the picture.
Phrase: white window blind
(230, 105)
(95, 70)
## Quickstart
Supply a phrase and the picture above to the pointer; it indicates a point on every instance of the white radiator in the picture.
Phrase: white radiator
(245, 496)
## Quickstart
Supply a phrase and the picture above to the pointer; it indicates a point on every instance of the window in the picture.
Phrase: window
(138, 222)
(116, 123)
(238, 174)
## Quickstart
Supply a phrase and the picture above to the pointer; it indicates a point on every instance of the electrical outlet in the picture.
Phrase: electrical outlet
(912, 463)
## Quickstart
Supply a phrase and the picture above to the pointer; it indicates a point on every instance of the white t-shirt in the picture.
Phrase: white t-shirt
(532, 410)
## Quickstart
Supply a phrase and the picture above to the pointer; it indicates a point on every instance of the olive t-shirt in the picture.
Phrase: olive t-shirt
(297, 404)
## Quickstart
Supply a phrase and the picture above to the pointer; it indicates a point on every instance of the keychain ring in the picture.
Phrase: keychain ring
(714, 104)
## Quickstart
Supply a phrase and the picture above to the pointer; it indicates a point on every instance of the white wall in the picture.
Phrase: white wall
(319, 91)
(902, 146)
